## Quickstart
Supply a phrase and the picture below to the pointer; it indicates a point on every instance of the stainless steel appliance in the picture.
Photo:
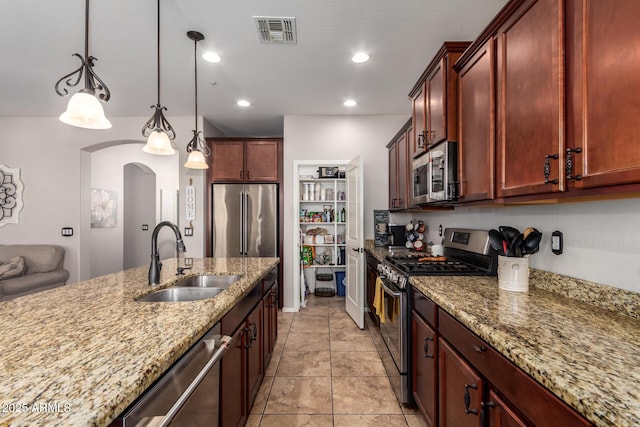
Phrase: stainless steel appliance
(434, 175)
(468, 253)
(420, 180)
(443, 172)
(188, 393)
(245, 220)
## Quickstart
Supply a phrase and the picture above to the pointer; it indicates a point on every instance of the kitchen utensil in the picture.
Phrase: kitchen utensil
(527, 231)
(508, 234)
(531, 244)
(408, 245)
(433, 258)
(409, 227)
(495, 240)
(420, 228)
(418, 245)
(516, 245)
(412, 236)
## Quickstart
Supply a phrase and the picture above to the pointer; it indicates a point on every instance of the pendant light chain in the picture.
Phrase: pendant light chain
(158, 52)
(195, 72)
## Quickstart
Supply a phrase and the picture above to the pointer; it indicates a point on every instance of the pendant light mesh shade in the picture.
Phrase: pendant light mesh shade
(85, 111)
(196, 161)
(158, 143)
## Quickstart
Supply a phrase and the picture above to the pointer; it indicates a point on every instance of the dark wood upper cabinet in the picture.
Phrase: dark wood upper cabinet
(419, 118)
(252, 160)
(530, 99)
(399, 169)
(434, 100)
(604, 83)
(476, 120)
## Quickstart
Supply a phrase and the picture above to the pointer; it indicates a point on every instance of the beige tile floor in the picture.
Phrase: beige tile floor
(325, 371)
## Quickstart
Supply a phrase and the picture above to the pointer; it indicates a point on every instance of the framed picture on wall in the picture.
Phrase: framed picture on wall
(104, 208)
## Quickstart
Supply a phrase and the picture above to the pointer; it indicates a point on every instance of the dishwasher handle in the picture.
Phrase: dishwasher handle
(215, 358)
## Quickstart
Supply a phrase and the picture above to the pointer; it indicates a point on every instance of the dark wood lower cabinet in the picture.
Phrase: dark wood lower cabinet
(461, 389)
(254, 322)
(232, 379)
(500, 413)
(476, 385)
(371, 276)
(270, 322)
(425, 368)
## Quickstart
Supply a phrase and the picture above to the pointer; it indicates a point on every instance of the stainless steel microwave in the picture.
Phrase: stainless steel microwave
(435, 174)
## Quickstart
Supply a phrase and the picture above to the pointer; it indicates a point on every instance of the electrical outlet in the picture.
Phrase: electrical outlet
(188, 261)
(188, 231)
(440, 230)
(67, 231)
(145, 227)
(556, 242)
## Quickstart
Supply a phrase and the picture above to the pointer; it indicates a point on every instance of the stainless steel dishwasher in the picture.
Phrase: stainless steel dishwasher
(188, 393)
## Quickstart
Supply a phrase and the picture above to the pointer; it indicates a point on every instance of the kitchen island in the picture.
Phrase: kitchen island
(578, 339)
(82, 353)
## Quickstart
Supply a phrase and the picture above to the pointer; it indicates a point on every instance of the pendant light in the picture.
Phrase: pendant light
(157, 129)
(84, 109)
(196, 148)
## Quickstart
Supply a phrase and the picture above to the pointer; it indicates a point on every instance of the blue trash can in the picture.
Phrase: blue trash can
(341, 283)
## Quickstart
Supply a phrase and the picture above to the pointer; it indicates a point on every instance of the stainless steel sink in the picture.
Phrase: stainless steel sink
(175, 294)
(208, 281)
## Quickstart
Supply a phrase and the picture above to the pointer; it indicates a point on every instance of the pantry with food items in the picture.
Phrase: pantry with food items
(321, 228)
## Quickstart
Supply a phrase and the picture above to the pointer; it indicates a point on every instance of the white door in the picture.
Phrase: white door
(354, 295)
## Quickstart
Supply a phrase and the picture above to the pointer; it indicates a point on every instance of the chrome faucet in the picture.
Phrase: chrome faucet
(156, 265)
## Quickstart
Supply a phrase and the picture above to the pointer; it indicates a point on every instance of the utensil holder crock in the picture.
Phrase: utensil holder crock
(513, 273)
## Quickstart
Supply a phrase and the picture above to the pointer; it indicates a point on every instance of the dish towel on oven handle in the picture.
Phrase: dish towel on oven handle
(378, 301)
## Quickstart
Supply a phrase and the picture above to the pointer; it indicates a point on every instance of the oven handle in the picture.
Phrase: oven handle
(391, 291)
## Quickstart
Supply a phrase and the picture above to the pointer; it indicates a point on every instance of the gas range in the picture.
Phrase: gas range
(467, 253)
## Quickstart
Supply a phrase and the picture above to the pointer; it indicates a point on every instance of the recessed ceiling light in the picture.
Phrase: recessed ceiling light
(243, 103)
(360, 57)
(210, 56)
(350, 103)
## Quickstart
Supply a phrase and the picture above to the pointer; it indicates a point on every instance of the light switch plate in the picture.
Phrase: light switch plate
(188, 231)
(145, 227)
(67, 231)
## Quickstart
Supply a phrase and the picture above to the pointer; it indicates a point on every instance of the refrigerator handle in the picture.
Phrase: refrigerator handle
(245, 221)
(242, 223)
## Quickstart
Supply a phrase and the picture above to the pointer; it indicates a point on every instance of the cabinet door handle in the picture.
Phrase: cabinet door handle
(547, 168)
(568, 163)
(467, 399)
(420, 141)
(241, 174)
(426, 348)
(248, 174)
(486, 406)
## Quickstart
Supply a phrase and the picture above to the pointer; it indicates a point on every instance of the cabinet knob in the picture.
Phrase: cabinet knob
(241, 174)
(478, 348)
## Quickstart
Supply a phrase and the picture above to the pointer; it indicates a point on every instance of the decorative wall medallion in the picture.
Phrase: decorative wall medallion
(11, 189)
(104, 208)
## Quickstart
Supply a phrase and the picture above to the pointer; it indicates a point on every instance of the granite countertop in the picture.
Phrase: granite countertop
(80, 354)
(585, 353)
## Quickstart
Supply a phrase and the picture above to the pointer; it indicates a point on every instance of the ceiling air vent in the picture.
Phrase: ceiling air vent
(273, 29)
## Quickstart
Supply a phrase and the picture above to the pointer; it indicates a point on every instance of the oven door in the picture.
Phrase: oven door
(394, 329)
(420, 180)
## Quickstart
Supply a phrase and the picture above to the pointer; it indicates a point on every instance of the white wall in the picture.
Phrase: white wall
(336, 138)
(107, 173)
(600, 238)
(49, 154)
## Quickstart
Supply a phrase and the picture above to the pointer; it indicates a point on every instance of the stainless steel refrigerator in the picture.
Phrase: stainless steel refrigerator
(245, 220)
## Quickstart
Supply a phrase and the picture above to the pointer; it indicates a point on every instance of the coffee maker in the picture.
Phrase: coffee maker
(397, 236)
